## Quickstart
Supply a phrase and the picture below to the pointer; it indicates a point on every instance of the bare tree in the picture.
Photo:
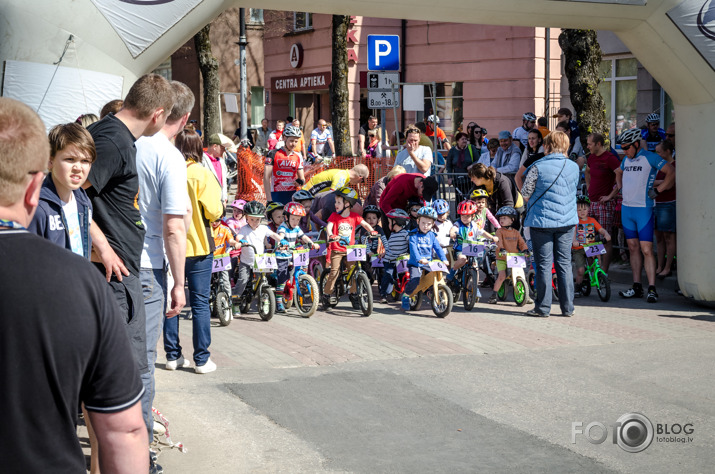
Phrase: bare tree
(339, 93)
(211, 82)
(582, 55)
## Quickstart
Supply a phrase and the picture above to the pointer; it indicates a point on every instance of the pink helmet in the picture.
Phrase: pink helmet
(238, 204)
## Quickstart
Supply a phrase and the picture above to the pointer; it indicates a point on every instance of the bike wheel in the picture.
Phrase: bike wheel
(521, 291)
(244, 302)
(222, 308)
(323, 277)
(288, 299)
(469, 292)
(316, 269)
(306, 295)
(555, 285)
(266, 302)
(416, 302)
(586, 286)
(501, 292)
(364, 293)
(442, 302)
(531, 280)
(604, 287)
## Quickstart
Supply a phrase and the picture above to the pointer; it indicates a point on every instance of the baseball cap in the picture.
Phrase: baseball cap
(563, 111)
(504, 134)
(221, 139)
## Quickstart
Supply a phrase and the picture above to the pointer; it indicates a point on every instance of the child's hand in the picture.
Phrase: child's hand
(374, 233)
(495, 239)
(424, 261)
(453, 235)
(315, 246)
(608, 237)
(446, 263)
(381, 254)
(333, 238)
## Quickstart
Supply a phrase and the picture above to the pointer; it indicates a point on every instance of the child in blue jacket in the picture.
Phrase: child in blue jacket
(422, 243)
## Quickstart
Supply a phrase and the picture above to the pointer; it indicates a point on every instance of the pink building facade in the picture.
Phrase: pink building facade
(487, 74)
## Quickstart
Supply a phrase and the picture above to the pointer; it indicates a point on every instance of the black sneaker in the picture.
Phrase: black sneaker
(493, 298)
(155, 468)
(535, 314)
(652, 296)
(635, 292)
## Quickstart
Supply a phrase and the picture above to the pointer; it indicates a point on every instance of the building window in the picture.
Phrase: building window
(619, 89)
(255, 15)
(164, 69)
(258, 106)
(302, 21)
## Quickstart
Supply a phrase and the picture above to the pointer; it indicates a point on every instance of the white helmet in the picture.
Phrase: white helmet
(434, 119)
(629, 136)
(652, 118)
(291, 131)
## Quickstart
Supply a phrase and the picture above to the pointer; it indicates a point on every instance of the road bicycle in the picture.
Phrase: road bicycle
(258, 286)
(356, 275)
(516, 262)
(596, 276)
(433, 286)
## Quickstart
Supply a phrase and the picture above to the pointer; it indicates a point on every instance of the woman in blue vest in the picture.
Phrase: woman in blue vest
(550, 191)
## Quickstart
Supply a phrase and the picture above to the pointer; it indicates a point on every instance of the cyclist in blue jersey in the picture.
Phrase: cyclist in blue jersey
(652, 134)
(635, 179)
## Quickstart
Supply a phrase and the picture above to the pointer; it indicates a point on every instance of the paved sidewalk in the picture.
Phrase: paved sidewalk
(301, 395)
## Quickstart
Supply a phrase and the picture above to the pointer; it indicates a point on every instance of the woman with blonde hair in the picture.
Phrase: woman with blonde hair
(550, 191)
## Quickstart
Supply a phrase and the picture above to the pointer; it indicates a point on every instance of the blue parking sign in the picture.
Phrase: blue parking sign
(383, 52)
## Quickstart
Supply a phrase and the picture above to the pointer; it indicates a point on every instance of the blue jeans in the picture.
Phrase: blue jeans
(388, 278)
(415, 275)
(198, 276)
(553, 245)
(154, 288)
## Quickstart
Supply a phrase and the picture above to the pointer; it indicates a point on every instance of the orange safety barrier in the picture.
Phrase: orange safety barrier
(250, 169)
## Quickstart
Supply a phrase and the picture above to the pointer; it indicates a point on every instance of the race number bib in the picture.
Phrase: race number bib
(320, 252)
(376, 262)
(594, 250)
(300, 258)
(357, 253)
(472, 249)
(265, 263)
(515, 261)
(221, 262)
(438, 266)
(401, 266)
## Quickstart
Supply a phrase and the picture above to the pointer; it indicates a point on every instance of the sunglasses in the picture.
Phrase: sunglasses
(670, 135)
(625, 147)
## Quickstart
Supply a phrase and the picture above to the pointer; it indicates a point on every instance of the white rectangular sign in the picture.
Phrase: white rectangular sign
(382, 100)
(414, 97)
(382, 81)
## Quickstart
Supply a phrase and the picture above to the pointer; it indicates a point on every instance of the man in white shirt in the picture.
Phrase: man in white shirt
(415, 158)
(320, 137)
(508, 155)
(162, 203)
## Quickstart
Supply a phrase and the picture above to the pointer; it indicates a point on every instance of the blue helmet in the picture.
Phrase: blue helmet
(441, 206)
(507, 211)
(427, 212)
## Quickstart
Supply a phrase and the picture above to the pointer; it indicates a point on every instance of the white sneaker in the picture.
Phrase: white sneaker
(174, 364)
(209, 366)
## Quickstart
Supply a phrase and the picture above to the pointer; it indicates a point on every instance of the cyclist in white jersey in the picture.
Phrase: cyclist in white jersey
(528, 121)
(635, 179)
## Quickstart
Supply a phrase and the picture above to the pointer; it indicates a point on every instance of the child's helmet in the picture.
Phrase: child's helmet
(582, 199)
(294, 209)
(348, 194)
(254, 209)
(441, 206)
(302, 195)
(479, 193)
(507, 211)
(399, 216)
(238, 204)
(291, 131)
(466, 208)
(427, 212)
(272, 207)
(371, 209)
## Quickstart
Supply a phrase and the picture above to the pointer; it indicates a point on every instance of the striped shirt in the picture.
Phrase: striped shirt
(397, 245)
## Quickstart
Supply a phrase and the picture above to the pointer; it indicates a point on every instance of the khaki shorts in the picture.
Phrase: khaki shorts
(579, 258)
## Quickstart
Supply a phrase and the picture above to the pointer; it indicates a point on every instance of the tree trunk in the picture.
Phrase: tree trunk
(339, 93)
(211, 82)
(582, 55)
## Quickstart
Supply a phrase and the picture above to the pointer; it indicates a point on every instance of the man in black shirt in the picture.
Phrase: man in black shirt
(113, 186)
(62, 341)
(363, 141)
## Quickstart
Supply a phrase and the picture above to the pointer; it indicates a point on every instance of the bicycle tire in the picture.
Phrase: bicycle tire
(364, 293)
(442, 310)
(531, 281)
(222, 308)
(521, 291)
(244, 302)
(416, 302)
(501, 292)
(470, 288)
(266, 302)
(555, 285)
(604, 287)
(307, 301)
(586, 286)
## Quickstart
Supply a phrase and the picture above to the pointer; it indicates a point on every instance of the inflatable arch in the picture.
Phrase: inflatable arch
(114, 41)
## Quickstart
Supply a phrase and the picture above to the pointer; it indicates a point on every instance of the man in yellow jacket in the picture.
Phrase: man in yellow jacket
(206, 204)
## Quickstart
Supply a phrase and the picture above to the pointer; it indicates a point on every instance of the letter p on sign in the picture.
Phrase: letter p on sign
(383, 52)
